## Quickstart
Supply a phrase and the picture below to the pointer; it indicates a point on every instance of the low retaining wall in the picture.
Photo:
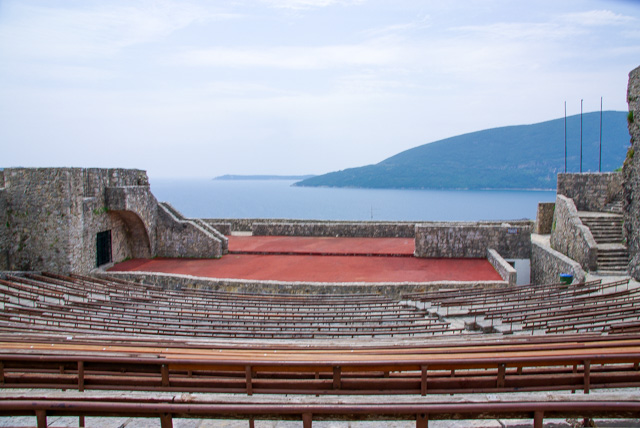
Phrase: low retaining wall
(391, 290)
(335, 229)
(294, 227)
(547, 265)
(591, 191)
(473, 240)
(570, 237)
(506, 271)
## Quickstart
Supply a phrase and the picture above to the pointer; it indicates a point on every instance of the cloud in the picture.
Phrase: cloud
(597, 18)
(94, 32)
(518, 31)
(308, 4)
(399, 29)
(291, 57)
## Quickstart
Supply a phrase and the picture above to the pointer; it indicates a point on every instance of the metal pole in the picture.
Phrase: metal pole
(600, 158)
(581, 135)
(565, 136)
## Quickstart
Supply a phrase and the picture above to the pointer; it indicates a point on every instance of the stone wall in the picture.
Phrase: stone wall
(570, 237)
(547, 265)
(392, 290)
(335, 229)
(591, 191)
(181, 238)
(319, 227)
(4, 228)
(473, 239)
(118, 200)
(44, 214)
(51, 218)
(631, 171)
(506, 271)
(544, 218)
(224, 227)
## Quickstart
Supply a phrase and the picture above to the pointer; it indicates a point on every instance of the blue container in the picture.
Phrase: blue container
(566, 278)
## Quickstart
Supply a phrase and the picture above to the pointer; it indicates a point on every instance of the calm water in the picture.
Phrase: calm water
(206, 198)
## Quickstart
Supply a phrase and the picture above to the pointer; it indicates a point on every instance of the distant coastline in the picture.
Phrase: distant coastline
(263, 177)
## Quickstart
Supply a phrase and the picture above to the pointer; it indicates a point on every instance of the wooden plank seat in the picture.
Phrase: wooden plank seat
(59, 314)
(552, 307)
(119, 306)
(168, 408)
(522, 297)
(479, 295)
(464, 368)
(149, 325)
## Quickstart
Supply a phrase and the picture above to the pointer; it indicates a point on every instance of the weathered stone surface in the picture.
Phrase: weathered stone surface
(570, 237)
(473, 239)
(591, 191)
(221, 226)
(547, 265)
(506, 271)
(50, 218)
(335, 229)
(182, 238)
(44, 213)
(393, 290)
(544, 218)
(4, 228)
(631, 171)
(399, 229)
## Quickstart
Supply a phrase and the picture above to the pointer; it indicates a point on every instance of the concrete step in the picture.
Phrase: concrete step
(613, 257)
(606, 228)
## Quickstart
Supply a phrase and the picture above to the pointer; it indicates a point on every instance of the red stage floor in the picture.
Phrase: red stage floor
(321, 260)
(321, 246)
(321, 268)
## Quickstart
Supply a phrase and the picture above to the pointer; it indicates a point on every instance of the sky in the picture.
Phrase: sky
(205, 88)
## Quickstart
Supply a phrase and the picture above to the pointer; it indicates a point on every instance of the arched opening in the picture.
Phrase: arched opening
(133, 240)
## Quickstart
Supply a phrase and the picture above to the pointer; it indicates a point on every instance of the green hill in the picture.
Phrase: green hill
(512, 157)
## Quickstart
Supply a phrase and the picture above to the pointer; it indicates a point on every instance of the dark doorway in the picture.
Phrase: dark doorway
(103, 249)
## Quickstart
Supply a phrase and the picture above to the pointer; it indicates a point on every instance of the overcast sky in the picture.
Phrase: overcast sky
(205, 88)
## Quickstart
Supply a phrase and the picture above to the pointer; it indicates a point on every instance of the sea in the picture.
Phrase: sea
(279, 199)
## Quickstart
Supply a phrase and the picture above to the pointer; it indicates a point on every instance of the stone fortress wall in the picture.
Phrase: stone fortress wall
(572, 238)
(591, 191)
(631, 171)
(51, 219)
(4, 226)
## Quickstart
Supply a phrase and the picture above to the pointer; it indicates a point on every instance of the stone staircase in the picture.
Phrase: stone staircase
(615, 206)
(606, 229)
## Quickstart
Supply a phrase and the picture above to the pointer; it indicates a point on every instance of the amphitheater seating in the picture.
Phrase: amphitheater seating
(75, 303)
(552, 308)
(518, 364)
(73, 332)
(480, 366)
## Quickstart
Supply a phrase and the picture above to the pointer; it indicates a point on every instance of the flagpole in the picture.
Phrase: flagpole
(600, 158)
